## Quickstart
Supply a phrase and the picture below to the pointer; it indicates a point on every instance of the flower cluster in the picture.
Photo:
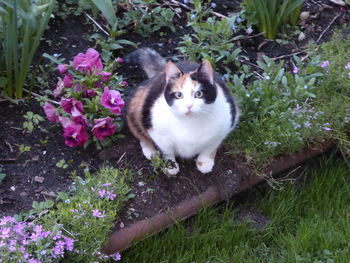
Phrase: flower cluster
(89, 100)
(29, 242)
(105, 192)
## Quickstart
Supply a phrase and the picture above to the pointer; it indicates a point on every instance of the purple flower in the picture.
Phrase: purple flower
(116, 256)
(111, 195)
(75, 135)
(213, 5)
(51, 112)
(68, 80)
(123, 83)
(91, 93)
(69, 242)
(65, 121)
(105, 75)
(62, 68)
(295, 70)
(34, 261)
(349, 75)
(72, 106)
(119, 60)
(103, 127)
(347, 66)
(88, 62)
(325, 64)
(98, 214)
(112, 100)
(81, 120)
(101, 193)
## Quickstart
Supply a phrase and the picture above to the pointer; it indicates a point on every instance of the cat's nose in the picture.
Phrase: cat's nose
(189, 107)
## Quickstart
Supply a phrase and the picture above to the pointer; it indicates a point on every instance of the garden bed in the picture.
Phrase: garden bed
(38, 164)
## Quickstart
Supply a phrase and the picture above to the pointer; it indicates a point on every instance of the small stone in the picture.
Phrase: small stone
(141, 184)
(50, 194)
(44, 152)
(23, 194)
(121, 225)
(12, 188)
(338, 2)
(304, 15)
(35, 158)
(39, 179)
(301, 37)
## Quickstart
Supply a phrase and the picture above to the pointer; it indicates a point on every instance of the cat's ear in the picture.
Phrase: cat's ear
(171, 71)
(205, 71)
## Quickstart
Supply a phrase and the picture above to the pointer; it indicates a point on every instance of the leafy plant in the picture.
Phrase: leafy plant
(62, 164)
(90, 101)
(32, 120)
(213, 39)
(2, 175)
(270, 15)
(22, 24)
(23, 149)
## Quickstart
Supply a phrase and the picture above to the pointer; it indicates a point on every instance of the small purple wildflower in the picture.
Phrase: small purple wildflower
(213, 5)
(101, 193)
(98, 214)
(325, 64)
(295, 70)
(116, 256)
(347, 66)
(185, 2)
(193, 16)
(349, 75)
(107, 184)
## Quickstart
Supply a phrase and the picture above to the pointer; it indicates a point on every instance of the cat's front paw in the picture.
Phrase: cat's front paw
(205, 166)
(147, 150)
(172, 169)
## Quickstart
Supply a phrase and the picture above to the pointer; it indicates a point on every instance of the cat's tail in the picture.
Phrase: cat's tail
(149, 60)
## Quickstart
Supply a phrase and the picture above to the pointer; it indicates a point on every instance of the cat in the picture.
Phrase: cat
(183, 109)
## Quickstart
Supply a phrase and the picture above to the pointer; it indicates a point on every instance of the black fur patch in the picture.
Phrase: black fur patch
(208, 89)
(158, 85)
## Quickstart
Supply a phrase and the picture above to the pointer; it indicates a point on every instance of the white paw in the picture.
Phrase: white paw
(147, 151)
(173, 169)
(205, 166)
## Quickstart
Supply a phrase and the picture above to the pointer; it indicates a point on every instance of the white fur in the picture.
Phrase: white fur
(183, 134)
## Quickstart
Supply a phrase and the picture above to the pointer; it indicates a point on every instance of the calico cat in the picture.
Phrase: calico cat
(183, 109)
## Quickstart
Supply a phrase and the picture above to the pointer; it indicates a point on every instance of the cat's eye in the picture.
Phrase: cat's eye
(198, 94)
(178, 95)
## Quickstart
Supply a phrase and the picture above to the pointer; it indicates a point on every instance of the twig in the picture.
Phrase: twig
(289, 55)
(97, 24)
(249, 63)
(8, 160)
(190, 9)
(324, 31)
(121, 157)
(39, 96)
(248, 37)
(9, 145)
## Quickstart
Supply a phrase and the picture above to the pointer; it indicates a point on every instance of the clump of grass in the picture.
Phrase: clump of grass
(308, 224)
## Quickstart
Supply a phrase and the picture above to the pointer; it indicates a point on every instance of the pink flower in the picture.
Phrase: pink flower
(105, 75)
(75, 135)
(91, 93)
(325, 64)
(123, 83)
(59, 88)
(51, 112)
(103, 127)
(65, 122)
(112, 100)
(62, 68)
(119, 60)
(81, 120)
(68, 80)
(88, 62)
(72, 106)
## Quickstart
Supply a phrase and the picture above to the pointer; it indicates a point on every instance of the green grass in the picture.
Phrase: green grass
(308, 224)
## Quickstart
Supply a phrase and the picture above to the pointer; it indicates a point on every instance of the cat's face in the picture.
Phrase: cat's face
(190, 94)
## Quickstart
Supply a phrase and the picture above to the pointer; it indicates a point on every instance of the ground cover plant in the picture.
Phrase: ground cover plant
(286, 105)
(305, 222)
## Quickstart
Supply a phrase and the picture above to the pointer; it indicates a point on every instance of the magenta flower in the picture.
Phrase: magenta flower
(65, 122)
(325, 64)
(112, 100)
(51, 112)
(62, 68)
(103, 127)
(105, 75)
(119, 60)
(91, 93)
(75, 135)
(68, 80)
(59, 88)
(88, 62)
(123, 83)
(72, 106)
(81, 120)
